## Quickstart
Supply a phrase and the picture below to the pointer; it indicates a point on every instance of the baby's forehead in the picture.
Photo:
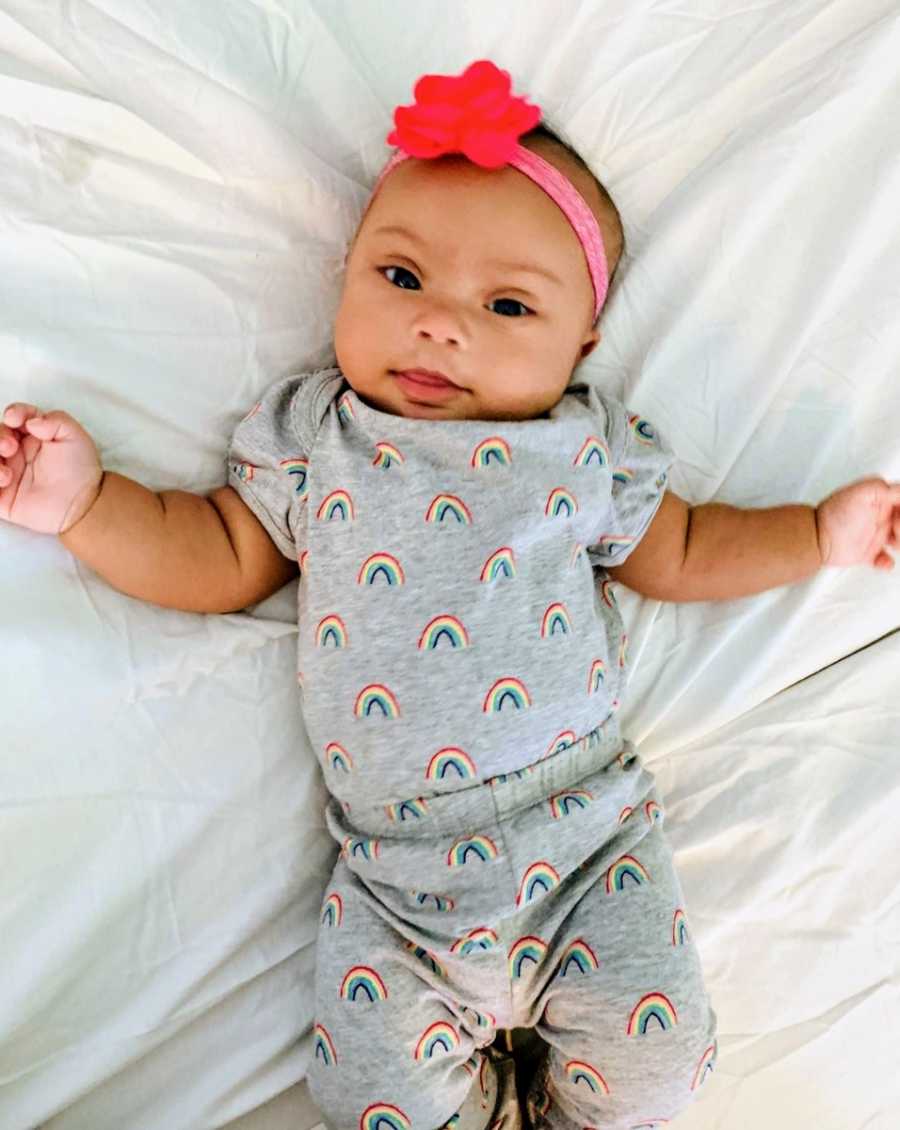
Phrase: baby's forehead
(409, 182)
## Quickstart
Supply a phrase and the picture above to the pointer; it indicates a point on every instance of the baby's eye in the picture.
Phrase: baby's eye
(403, 270)
(514, 302)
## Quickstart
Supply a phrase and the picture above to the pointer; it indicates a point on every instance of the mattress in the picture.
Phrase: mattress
(178, 186)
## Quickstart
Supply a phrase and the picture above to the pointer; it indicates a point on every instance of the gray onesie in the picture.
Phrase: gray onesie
(461, 660)
(451, 625)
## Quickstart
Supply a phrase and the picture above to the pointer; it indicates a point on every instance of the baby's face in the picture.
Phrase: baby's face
(460, 291)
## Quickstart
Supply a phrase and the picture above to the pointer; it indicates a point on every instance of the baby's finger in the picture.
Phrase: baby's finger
(15, 415)
(9, 445)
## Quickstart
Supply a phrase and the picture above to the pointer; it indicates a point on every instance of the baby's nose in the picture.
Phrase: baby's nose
(440, 324)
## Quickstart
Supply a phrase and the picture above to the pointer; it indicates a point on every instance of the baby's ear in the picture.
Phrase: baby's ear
(590, 344)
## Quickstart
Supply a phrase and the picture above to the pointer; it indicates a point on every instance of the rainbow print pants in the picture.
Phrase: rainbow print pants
(546, 899)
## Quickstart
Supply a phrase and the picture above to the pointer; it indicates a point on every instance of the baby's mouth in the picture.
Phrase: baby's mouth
(428, 377)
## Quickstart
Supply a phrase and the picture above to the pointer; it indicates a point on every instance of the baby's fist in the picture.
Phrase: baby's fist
(857, 523)
(50, 472)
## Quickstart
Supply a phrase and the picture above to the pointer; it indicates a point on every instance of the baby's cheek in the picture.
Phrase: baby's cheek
(355, 344)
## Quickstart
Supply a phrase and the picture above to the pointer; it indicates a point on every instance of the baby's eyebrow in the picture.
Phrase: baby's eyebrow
(525, 268)
(528, 269)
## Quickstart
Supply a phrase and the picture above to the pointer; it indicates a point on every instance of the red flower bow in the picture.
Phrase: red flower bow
(472, 113)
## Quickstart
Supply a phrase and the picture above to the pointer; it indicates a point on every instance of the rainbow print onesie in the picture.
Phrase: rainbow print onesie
(455, 621)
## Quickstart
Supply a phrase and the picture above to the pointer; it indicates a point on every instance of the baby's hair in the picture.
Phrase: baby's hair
(614, 220)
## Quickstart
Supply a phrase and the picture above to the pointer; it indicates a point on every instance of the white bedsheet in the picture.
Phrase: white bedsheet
(178, 182)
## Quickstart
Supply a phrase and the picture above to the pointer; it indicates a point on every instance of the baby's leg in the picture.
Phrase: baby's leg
(394, 1047)
(627, 1017)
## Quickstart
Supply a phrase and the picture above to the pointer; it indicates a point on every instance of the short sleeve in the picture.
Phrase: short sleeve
(267, 463)
(639, 465)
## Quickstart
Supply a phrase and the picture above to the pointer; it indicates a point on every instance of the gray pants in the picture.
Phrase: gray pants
(543, 899)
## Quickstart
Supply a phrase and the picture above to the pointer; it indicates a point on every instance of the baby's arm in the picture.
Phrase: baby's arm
(718, 552)
(176, 549)
(179, 550)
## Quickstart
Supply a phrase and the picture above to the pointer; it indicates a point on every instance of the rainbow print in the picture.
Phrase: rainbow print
(594, 450)
(562, 803)
(333, 910)
(302, 559)
(482, 847)
(596, 676)
(244, 471)
(577, 552)
(376, 695)
(559, 501)
(482, 937)
(653, 812)
(609, 595)
(643, 432)
(502, 777)
(323, 1046)
(471, 1069)
(439, 1036)
(483, 1020)
(444, 625)
(353, 846)
(386, 454)
(385, 564)
(500, 563)
(509, 687)
(562, 740)
(449, 758)
(579, 954)
(609, 543)
(525, 949)
(442, 903)
(539, 876)
(331, 627)
(299, 468)
(364, 980)
(626, 758)
(494, 447)
(337, 757)
(555, 617)
(414, 809)
(680, 935)
(577, 1071)
(625, 813)
(345, 408)
(337, 504)
(623, 475)
(426, 958)
(706, 1064)
(444, 504)
(654, 1006)
(625, 868)
(384, 1116)
(256, 407)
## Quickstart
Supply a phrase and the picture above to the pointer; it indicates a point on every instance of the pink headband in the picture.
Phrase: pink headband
(474, 114)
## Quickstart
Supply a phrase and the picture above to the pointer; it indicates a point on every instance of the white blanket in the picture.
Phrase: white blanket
(178, 184)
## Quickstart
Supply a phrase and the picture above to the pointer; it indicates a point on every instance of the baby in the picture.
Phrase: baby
(457, 509)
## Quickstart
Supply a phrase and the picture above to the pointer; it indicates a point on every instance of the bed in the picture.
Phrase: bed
(178, 184)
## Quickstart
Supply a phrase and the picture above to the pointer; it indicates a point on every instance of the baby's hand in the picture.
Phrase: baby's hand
(50, 471)
(858, 522)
